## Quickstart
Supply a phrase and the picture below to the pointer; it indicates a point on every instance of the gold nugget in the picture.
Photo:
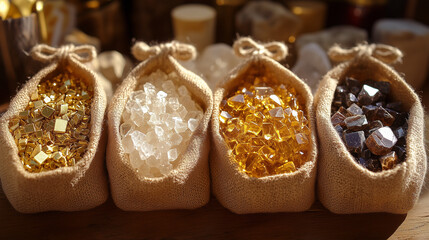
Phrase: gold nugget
(53, 130)
(264, 125)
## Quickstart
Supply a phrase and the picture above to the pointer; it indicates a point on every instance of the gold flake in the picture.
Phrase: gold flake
(38, 104)
(13, 124)
(47, 99)
(55, 102)
(29, 128)
(36, 150)
(41, 157)
(60, 125)
(56, 156)
(64, 108)
(24, 114)
(47, 111)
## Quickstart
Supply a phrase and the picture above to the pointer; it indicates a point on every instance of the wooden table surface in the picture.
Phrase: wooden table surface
(215, 222)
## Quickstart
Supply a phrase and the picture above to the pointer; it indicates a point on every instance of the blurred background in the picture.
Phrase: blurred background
(308, 27)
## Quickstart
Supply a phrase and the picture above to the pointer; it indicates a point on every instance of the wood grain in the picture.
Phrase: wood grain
(212, 222)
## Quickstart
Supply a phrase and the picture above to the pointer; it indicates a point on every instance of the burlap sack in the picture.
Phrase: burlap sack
(343, 185)
(188, 185)
(235, 190)
(80, 187)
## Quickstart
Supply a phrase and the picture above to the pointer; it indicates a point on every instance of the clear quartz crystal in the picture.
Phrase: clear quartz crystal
(192, 124)
(157, 124)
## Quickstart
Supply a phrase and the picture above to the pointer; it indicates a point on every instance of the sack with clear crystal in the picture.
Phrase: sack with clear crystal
(237, 191)
(343, 185)
(187, 185)
(73, 188)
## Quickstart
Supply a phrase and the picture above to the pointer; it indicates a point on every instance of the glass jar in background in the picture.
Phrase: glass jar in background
(104, 20)
(363, 13)
(225, 26)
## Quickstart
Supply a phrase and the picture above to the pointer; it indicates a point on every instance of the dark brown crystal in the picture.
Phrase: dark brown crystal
(355, 109)
(356, 123)
(337, 118)
(368, 95)
(381, 141)
(354, 141)
(383, 115)
(350, 99)
(372, 127)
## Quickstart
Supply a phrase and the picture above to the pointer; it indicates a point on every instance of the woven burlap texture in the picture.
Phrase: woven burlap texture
(343, 185)
(80, 187)
(188, 185)
(235, 190)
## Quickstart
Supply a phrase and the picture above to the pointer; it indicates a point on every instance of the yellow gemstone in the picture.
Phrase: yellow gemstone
(268, 130)
(276, 113)
(263, 91)
(265, 126)
(301, 138)
(267, 152)
(252, 127)
(284, 133)
(236, 102)
(224, 116)
(287, 167)
(242, 148)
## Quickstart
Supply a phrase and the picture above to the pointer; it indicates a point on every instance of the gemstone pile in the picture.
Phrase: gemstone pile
(372, 127)
(157, 124)
(53, 130)
(264, 125)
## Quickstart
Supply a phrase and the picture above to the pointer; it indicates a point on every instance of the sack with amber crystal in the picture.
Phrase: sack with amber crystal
(344, 186)
(251, 192)
(187, 185)
(77, 181)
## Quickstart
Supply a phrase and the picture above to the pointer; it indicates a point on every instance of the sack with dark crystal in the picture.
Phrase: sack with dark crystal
(52, 139)
(264, 150)
(157, 155)
(372, 156)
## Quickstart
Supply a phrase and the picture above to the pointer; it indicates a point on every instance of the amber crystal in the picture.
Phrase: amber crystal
(53, 130)
(371, 125)
(388, 161)
(264, 124)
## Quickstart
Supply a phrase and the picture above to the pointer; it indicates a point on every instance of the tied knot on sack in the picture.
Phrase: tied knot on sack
(180, 51)
(382, 52)
(45, 53)
(246, 47)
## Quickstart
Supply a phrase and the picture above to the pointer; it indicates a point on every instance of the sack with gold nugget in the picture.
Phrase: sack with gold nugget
(371, 128)
(52, 140)
(157, 155)
(264, 154)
